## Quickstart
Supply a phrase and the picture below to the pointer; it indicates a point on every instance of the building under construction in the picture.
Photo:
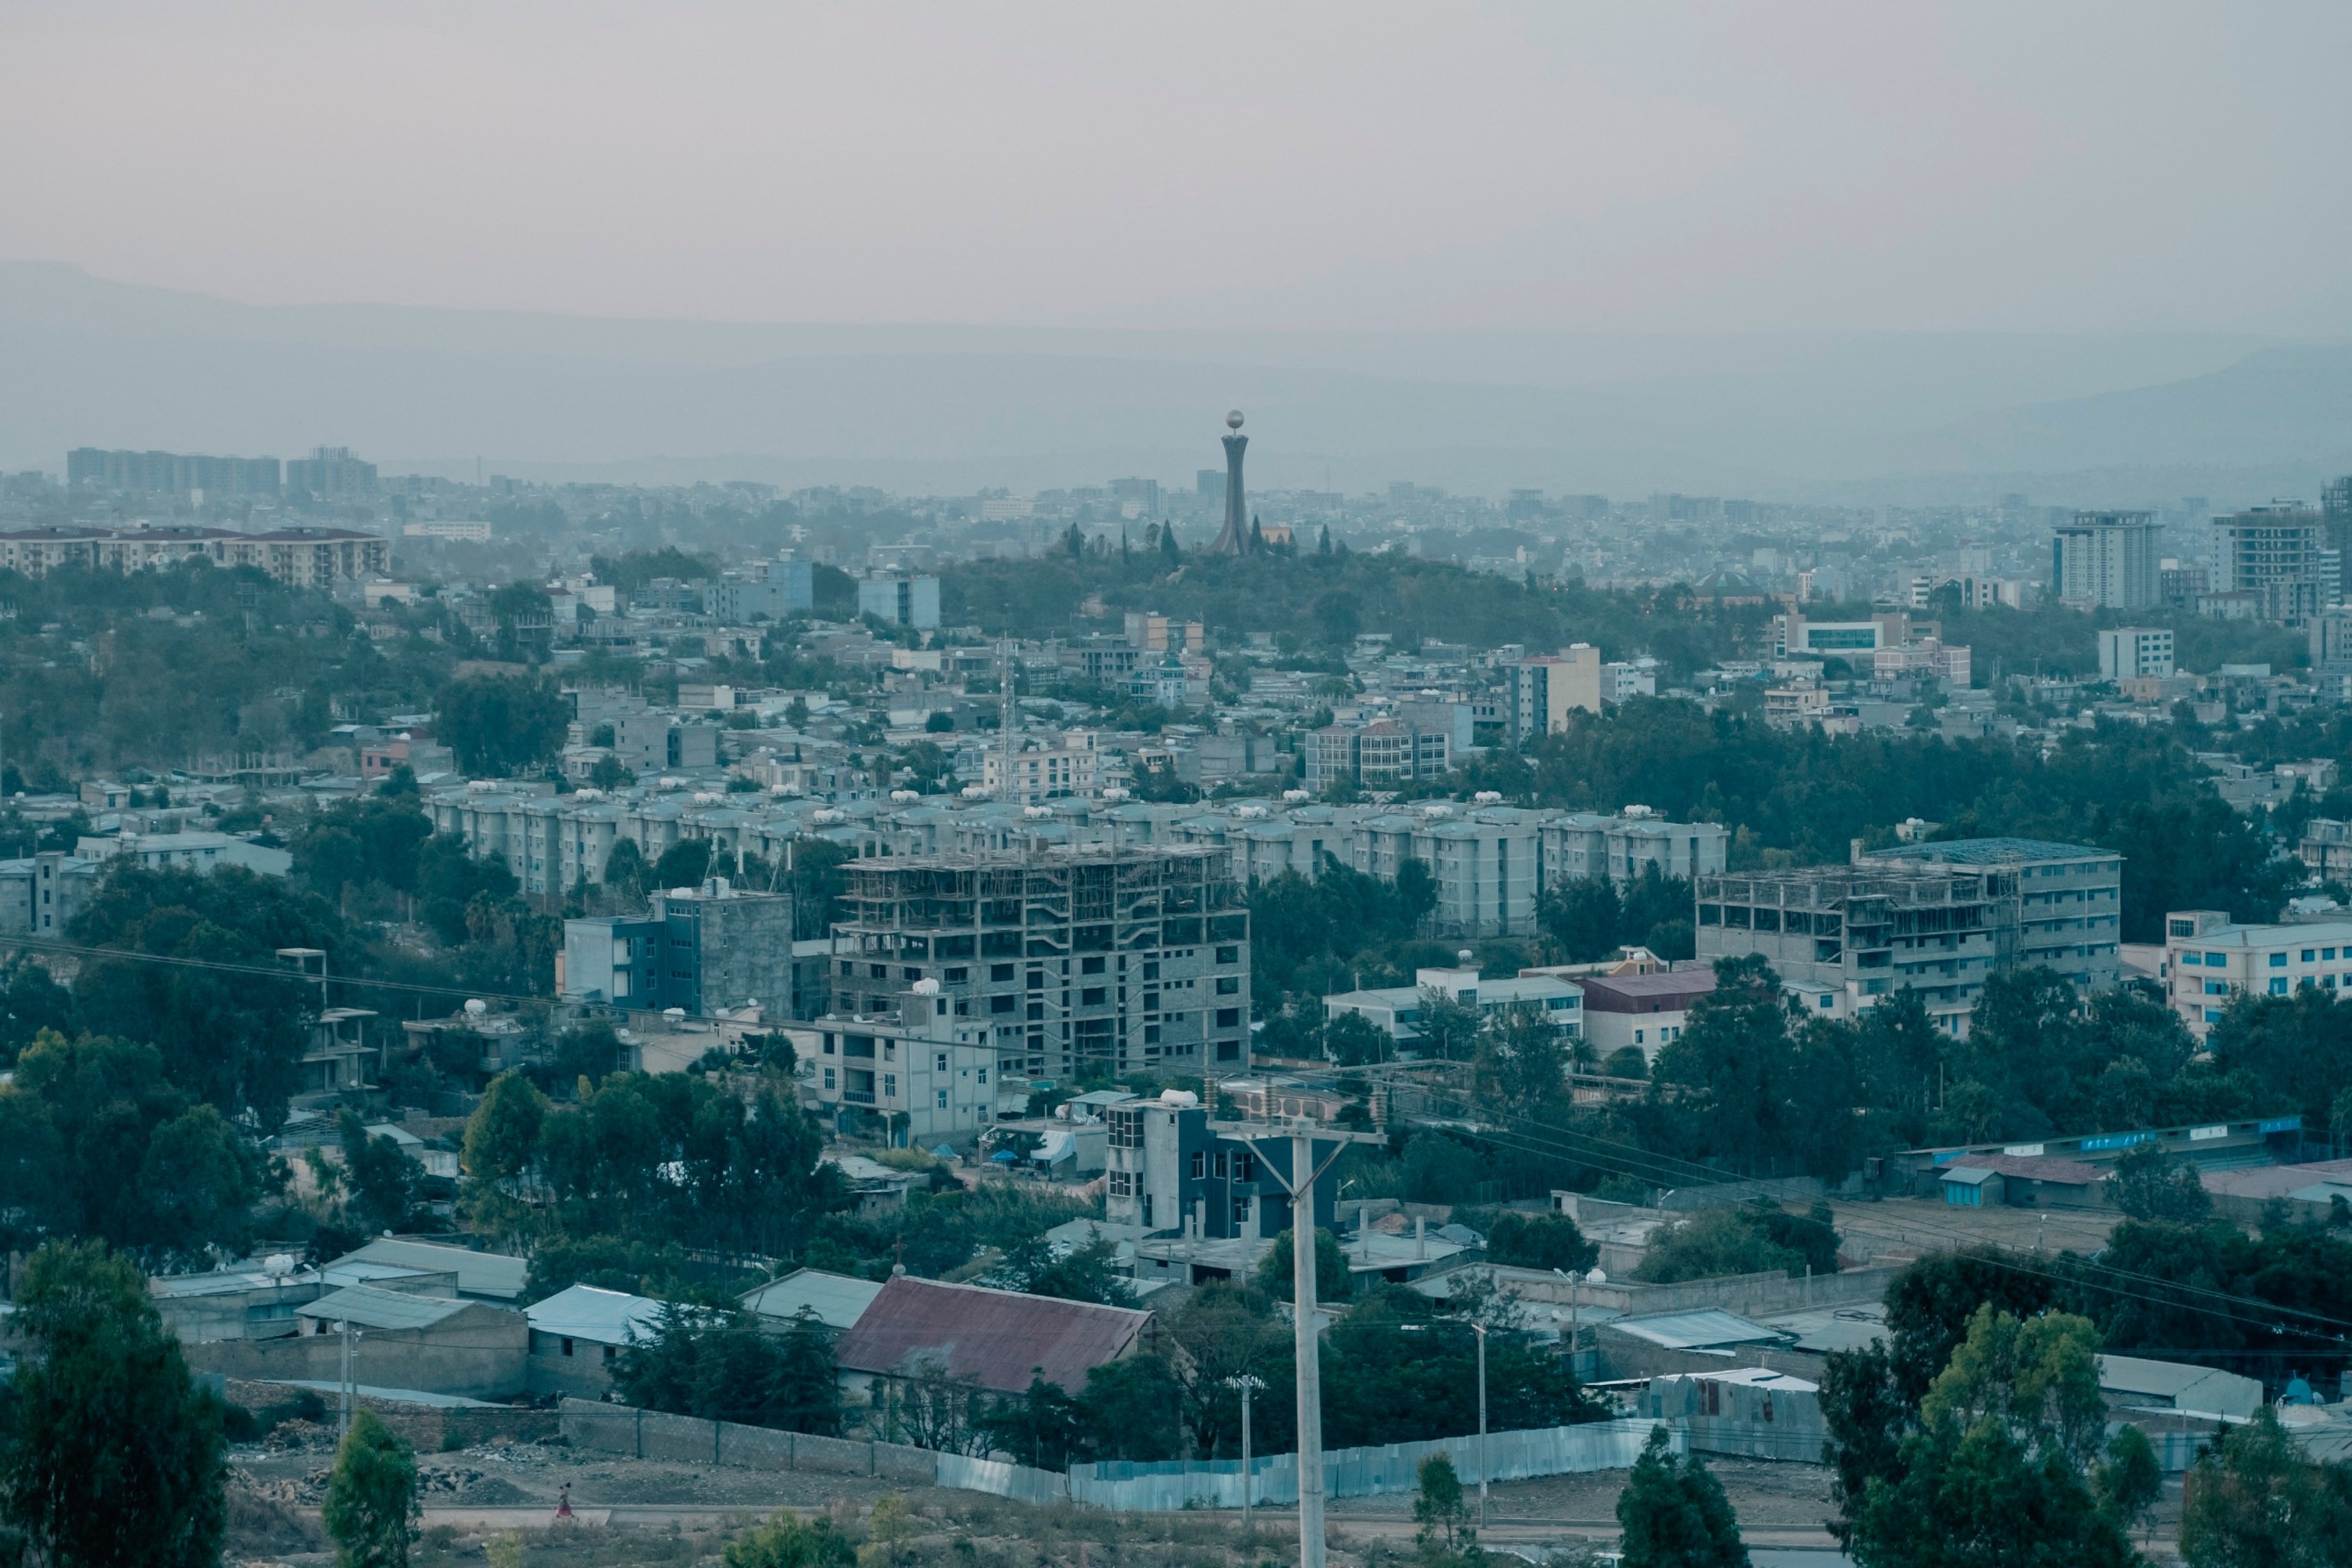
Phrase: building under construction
(1084, 962)
(1842, 937)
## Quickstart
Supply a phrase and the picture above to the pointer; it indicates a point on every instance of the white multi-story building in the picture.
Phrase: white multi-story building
(2135, 653)
(923, 1074)
(2210, 958)
(1544, 690)
(2107, 559)
(1043, 771)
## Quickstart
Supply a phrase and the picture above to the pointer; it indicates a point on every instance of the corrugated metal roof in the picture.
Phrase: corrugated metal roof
(1697, 1331)
(372, 1308)
(600, 1317)
(998, 1338)
(478, 1273)
(837, 1299)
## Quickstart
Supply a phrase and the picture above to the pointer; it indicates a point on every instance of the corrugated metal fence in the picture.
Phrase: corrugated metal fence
(1362, 1472)
(1134, 1488)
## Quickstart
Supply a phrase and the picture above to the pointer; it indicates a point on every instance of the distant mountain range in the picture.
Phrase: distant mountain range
(1847, 416)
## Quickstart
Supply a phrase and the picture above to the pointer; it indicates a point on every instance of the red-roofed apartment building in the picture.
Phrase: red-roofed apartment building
(999, 1338)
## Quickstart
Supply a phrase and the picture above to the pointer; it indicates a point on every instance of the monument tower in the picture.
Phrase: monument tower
(1235, 537)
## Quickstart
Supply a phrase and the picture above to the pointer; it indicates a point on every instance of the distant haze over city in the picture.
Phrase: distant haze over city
(1834, 253)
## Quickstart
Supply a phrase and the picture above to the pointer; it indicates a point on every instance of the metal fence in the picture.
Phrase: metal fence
(1363, 1472)
(1134, 1488)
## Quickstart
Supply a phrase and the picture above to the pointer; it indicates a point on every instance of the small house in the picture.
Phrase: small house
(578, 1333)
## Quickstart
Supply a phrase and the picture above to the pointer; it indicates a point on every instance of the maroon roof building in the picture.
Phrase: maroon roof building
(999, 1338)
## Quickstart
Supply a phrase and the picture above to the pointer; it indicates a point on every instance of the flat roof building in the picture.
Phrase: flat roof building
(2070, 900)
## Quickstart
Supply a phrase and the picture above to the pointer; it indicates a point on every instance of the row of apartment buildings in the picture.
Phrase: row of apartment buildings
(299, 557)
(1490, 861)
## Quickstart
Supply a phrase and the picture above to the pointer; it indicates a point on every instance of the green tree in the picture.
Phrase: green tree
(1672, 1513)
(1449, 1028)
(2253, 1502)
(113, 1455)
(1040, 1429)
(788, 1541)
(1539, 1241)
(1088, 1273)
(500, 724)
(2149, 1185)
(501, 1148)
(1332, 1282)
(1738, 1086)
(1129, 1410)
(371, 1506)
(383, 1182)
(626, 875)
(1520, 1067)
(1353, 1040)
(2130, 1480)
(1439, 1507)
(684, 864)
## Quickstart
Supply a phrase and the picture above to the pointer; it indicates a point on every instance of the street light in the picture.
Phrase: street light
(1479, 1329)
(1248, 1385)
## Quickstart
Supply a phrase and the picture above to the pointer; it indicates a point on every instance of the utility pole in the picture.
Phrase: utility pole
(1302, 1133)
(1480, 1330)
(346, 1424)
(1248, 1385)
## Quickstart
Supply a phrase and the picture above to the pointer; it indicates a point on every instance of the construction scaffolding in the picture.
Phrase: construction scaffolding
(1085, 962)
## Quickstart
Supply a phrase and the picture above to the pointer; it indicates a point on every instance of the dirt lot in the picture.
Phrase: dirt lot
(648, 1512)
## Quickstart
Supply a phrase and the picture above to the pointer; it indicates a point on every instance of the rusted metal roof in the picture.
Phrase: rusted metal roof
(1000, 1338)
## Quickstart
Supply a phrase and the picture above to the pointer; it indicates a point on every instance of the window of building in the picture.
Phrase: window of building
(1093, 997)
(889, 1086)
(1090, 966)
(2278, 987)
(1217, 1164)
(941, 1096)
(877, 971)
(1229, 955)
(1125, 1129)
(1229, 1018)
(1200, 1164)
(1150, 1034)
(957, 976)
(1245, 1167)
(1000, 972)
(828, 1077)
(567, 1345)
(829, 1042)
(981, 1076)
(1229, 985)
(940, 1061)
(1241, 1208)
(1151, 969)
(2278, 961)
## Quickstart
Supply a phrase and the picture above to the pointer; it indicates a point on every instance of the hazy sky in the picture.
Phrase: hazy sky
(2038, 166)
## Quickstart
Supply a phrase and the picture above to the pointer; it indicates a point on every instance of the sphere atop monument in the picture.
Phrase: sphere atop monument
(1234, 420)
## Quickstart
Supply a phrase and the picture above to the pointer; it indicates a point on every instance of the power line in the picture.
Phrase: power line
(260, 971)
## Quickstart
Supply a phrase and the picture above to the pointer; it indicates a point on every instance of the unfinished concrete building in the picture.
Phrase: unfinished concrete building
(1083, 962)
(1840, 937)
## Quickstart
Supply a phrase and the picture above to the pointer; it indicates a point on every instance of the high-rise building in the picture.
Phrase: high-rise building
(901, 601)
(171, 473)
(701, 948)
(2336, 524)
(330, 471)
(773, 589)
(1081, 962)
(2279, 553)
(2107, 559)
(1543, 689)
